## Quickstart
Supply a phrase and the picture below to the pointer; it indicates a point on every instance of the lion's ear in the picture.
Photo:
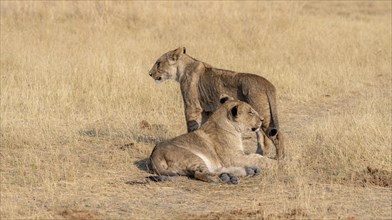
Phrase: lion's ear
(224, 98)
(234, 111)
(175, 54)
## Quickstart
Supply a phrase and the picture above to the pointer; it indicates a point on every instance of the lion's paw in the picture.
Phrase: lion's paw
(252, 171)
(228, 178)
(193, 126)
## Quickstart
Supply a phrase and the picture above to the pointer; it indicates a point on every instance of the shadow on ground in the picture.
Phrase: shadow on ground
(143, 165)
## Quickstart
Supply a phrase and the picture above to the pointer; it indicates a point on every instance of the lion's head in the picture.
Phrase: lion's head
(239, 114)
(166, 67)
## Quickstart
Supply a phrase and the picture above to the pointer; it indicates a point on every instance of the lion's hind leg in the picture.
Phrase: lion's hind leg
(201, 172)
(264, 144)
(280, 148)
(227, 175)
(241, 171)
(260, 143)
(228, 178)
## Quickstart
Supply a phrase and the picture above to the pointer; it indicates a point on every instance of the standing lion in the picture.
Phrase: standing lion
(201, 87)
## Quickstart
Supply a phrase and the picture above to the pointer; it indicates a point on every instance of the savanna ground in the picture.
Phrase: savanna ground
(80, 115)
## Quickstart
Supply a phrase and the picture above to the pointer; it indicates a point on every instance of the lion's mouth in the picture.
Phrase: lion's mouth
(159, 79)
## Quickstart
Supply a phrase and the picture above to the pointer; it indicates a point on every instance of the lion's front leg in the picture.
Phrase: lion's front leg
(193, 117)
(192, 125)
(193, 109)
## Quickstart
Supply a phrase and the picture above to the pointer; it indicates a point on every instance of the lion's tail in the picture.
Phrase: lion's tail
(161, 178)
(273, 127)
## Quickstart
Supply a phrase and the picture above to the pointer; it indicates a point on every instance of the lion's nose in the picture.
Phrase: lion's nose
(159, 78)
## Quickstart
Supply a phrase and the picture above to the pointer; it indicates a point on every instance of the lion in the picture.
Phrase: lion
(202, 84)
(213, 153)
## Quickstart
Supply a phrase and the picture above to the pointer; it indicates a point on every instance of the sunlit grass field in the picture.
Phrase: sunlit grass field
(80, 114)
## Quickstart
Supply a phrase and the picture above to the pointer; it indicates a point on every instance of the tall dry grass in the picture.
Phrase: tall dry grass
(75, 85)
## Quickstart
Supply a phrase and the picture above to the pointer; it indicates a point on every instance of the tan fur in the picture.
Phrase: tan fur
(214, 149)
(201, 85)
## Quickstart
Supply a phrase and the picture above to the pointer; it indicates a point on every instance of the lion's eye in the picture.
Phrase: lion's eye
(251, 113)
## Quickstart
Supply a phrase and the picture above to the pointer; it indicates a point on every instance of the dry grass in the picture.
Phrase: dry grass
(75, 87)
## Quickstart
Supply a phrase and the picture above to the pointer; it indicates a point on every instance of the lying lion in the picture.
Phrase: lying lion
(214, 153)
(201, 85)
